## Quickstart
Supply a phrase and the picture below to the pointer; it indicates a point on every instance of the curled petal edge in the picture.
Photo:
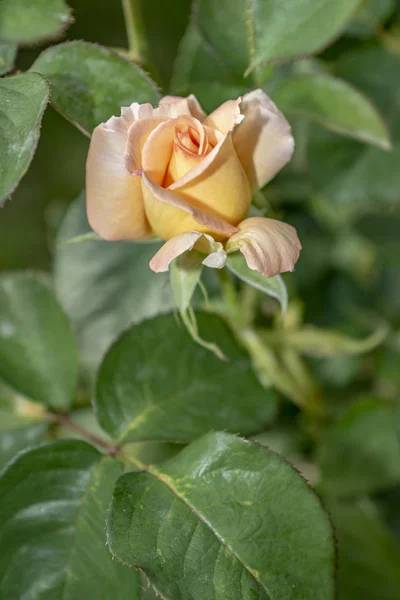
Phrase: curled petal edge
(184, 242)
(269, 246)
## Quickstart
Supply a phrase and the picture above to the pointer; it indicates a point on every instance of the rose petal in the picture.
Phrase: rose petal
(114, 198)
(158, 148)
(170, 215)
(185, 106)
(217, 183)
(263, 141)
(182, 243)
(138, 134)
(269, 246)
(225, 117)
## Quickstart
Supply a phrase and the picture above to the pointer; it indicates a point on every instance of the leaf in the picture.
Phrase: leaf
(335, 104)
(22, 424)
(37, 347)
(368, 554)
(23, 99)
(185, 274)
(8, 53)
(53, 502)
(360, 453)
(156, 383)
(104, 287)
(199, 70)
(33, 21)
(369, 16)
(269, 30)
(272, 286)
(348, 173)
(319, 342)
(90, 83)
(231, 516)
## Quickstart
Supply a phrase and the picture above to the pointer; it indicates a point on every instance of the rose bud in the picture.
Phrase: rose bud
(188, 178)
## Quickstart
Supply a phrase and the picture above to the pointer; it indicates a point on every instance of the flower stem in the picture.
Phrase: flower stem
(66, 421)
(135, 30)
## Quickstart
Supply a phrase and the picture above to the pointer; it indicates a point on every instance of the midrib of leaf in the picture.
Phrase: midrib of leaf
(169, 483)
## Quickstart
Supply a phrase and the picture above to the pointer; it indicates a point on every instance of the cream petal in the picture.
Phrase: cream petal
(171, 215)
(269, 246)
(225, 117)
(263, 141)
(137, 135)
(113, 197)
(182, 243)
(186, 106)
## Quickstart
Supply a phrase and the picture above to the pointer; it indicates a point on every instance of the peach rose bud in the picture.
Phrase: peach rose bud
(188, 178)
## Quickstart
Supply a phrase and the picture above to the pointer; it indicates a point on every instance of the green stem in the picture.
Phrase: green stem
(135, 30)
(66, 421)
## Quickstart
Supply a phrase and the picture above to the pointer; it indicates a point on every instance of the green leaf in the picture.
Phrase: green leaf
(335, 104)
(272, 286)
(360, 453)
(90, 83)
(37, 347)
(156, 383)
(369, 16)
(233, 517)
(269, 30)
(8, 53)
(22, 424)
(346, 172)
(23, 99)
(369, 556)
(104, 287)
(53, 502)
(33, 21)
(185, 273)
(199, 70)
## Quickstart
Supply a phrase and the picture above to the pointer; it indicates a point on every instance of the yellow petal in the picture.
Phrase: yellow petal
(170, 215)
(114, 198)
(138, 134)
(217, 184)
(225, 117)
(263, 141)
(269, 246)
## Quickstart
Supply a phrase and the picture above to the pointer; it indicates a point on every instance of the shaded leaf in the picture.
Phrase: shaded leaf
(369, 16)
(22, 424)
(360, 453)
(37, 347)
(104, 287)
(335, 104)
(234, 517)
(33, 21)
(8, 53)
(156, 383)
(368, 554)
(53, 501)
(23, 99)
(90, 83)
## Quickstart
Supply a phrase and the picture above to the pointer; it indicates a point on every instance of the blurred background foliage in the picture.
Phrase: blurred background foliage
(343, 196)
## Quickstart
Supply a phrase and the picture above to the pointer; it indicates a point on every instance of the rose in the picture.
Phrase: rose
(188, 178)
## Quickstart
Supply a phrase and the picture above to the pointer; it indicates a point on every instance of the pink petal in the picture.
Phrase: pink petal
(114, 198)
(182, 243)
(269, 246)
(263, 141)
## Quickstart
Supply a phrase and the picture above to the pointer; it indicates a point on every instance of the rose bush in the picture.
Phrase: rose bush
(188, 178)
